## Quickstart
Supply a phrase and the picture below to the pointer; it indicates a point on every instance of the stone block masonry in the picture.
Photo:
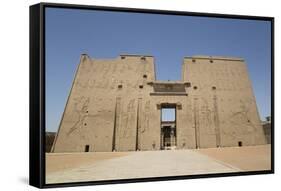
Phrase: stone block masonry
(116, 105)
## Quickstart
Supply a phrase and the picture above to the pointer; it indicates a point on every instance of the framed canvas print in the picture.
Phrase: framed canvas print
(123, 95)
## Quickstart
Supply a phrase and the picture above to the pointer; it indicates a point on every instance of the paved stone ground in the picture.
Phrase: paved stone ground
(143, 164)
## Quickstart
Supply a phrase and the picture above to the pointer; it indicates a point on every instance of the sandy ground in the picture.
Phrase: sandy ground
(143, 164)
(65, 161)
(251, 158)
(78, 167)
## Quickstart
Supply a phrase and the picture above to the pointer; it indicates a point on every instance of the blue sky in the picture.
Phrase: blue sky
(101, 34)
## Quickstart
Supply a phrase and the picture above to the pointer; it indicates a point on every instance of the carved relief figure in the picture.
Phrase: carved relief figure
(81, 109)
(145, 126)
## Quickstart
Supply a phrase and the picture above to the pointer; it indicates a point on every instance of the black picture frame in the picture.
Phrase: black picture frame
(37, 94)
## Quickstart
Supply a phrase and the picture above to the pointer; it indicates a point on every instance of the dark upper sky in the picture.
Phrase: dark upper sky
(100, 34)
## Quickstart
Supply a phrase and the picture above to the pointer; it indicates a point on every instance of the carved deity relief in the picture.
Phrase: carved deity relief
(81, 109)
(206, 114)
(128, 118)
(189, 110)
(241, 116)
(145, 126)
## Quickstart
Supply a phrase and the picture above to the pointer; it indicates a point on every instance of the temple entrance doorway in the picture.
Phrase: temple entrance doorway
(168, 126)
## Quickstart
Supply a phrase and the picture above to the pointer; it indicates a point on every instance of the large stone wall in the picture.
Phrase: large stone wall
(223, 99)
(101, 110)
(113, 105)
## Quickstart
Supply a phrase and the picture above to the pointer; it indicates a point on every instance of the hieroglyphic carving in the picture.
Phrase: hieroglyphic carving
(196, 122)
(128, 119)
(139, 122)
(117, 126)
(188, 110)
(206, 114)
(80, 108)
(145, 124)
(241, 117)
(217, 121)
(90, 84)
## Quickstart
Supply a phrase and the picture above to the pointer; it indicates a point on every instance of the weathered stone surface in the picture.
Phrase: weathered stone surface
(115, 105)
